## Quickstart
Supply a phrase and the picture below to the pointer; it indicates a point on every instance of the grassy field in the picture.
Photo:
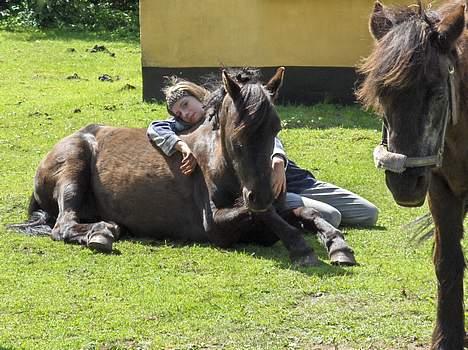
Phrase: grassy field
(166, 296)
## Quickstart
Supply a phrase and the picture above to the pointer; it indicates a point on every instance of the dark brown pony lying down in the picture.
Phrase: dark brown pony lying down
(101, 179)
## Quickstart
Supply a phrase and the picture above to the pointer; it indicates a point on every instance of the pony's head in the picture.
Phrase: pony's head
(249, 124)
(410, 78)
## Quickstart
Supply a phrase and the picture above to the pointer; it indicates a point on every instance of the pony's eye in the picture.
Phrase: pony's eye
(238, 147)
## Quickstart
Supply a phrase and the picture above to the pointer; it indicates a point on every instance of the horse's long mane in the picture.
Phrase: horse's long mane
(255, 99)
(402, 56)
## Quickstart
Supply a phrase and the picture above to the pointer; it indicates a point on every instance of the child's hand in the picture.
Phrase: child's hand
(189, 162)
(278, 180)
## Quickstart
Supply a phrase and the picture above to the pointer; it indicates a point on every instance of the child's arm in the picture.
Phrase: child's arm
(279, 162)
(163, 134)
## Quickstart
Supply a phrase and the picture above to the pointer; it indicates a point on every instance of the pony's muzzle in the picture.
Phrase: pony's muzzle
(409, 188)
(255, 201)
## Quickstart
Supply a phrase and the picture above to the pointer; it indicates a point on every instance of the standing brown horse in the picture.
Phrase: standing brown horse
(101, 179)
(417, 77)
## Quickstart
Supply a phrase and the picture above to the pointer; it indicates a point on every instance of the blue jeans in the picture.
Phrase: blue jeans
(337, 205)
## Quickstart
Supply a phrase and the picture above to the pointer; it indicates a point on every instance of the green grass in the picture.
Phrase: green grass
(165, 296)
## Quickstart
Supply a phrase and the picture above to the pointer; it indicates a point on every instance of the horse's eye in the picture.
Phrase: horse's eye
(238, 147)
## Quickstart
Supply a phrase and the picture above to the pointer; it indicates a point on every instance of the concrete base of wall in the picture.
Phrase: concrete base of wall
(302, 85)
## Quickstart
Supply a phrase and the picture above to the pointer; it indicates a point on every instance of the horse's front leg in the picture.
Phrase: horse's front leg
(339, 252)
(228, 224)
(448, 212)
(300, 252)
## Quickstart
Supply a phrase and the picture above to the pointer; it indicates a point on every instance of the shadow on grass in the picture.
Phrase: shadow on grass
(364, 228)
(279, 255)
(276, 253)
(7, 347)
(325, 116)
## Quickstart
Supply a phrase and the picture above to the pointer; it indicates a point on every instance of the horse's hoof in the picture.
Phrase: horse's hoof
(343, 257)
(101, 243)
(56, 235)
(309, 260)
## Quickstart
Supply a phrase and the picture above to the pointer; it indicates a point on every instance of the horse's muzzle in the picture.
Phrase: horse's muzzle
(259, 210)
(409, 188)
(256, 201)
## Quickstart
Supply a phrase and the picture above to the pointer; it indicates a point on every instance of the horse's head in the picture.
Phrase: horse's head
(249, 124)
(409, 78)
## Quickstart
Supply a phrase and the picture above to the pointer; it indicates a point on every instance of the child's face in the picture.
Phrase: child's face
(189, 109)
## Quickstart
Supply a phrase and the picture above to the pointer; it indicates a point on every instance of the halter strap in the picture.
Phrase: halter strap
(398, 163)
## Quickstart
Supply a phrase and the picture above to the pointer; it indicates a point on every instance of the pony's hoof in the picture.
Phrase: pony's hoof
(340, 253)
(101, 243)
(343, 257)
(309, 260)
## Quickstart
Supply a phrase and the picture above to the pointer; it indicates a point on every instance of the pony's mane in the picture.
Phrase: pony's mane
(401, 57)
(255, 99)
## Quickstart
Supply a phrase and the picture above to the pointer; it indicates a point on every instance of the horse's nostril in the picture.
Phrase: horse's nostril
(251, 196)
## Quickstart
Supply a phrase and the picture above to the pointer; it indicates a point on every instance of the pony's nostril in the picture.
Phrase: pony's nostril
(251, 197)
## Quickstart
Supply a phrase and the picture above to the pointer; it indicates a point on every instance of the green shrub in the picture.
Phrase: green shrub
(81, 14)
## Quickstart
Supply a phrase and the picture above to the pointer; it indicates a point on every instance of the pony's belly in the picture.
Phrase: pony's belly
(165, 215)
(155, 205)
(157, 209)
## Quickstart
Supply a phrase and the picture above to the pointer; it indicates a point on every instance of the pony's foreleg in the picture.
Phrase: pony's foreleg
(448, 211)
(228, 225)
(299, 251)
(339, 252)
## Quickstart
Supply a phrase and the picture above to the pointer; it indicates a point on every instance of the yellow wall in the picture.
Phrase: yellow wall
(261, 33)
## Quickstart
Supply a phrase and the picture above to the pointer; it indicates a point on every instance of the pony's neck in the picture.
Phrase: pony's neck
(457, 132)
(461, 85)
(463, 65)
(207, 146)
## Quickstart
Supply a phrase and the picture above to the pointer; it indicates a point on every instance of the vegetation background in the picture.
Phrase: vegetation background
(61, 69)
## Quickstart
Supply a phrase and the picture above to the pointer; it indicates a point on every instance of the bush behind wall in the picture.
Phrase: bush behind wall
(81, 14)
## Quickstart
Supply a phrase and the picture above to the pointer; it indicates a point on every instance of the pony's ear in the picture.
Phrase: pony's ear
(275, 83)
(379, 23)
(451, 27)
(231, 87)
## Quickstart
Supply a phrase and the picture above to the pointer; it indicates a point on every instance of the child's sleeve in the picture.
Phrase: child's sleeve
(163, 134)
(278, 150)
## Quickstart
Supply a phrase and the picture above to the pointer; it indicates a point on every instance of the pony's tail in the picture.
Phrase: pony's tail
(40, 223)
(423, 227)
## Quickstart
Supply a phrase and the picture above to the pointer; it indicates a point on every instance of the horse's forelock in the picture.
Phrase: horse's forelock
(399, 58)
(255, 106)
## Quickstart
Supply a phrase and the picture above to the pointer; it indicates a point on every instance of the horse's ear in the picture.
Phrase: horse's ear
(451, 27)
(379, 23)
(275, 83)
(231, 87)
